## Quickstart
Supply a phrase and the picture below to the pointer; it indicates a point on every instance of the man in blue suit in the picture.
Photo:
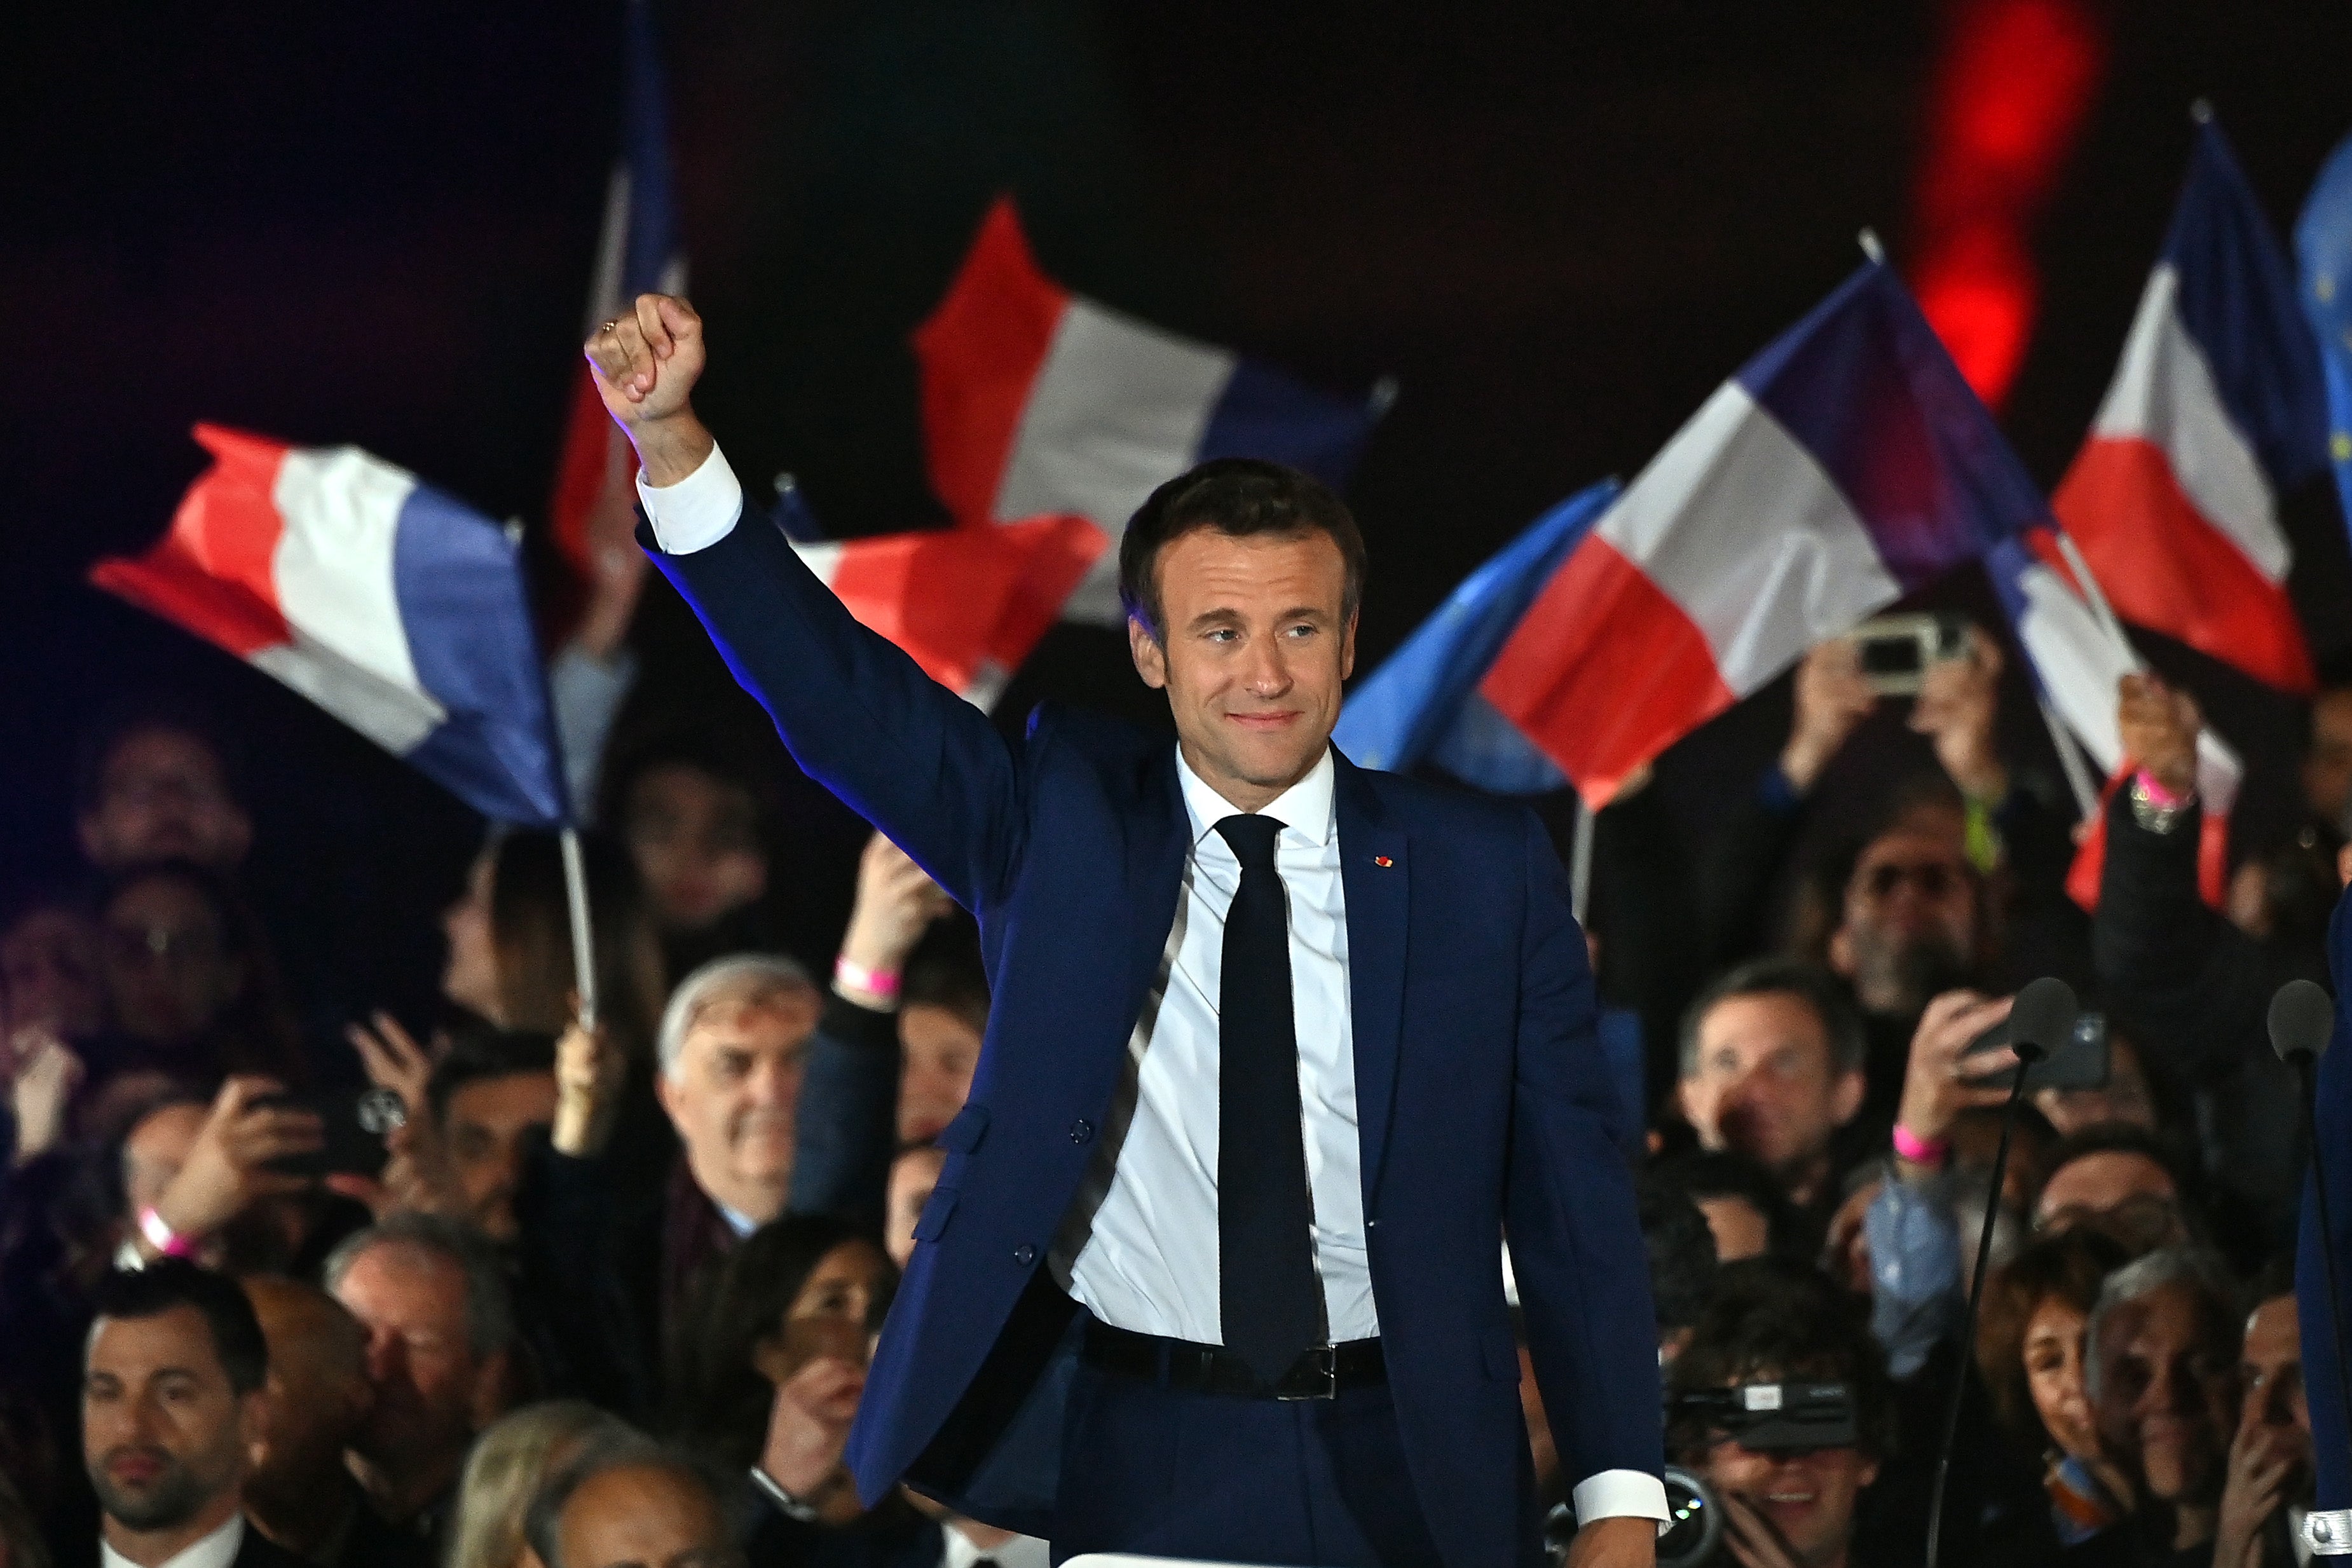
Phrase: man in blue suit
(1278, 1049)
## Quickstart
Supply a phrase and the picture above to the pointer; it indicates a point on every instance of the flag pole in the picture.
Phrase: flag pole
(2070, 761)
(583, 942)
(2093, 595)
(1579, 862)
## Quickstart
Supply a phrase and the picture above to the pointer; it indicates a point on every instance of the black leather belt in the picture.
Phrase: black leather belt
(1324, 1372)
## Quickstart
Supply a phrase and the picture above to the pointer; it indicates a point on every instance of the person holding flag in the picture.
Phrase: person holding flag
(1262, 1318)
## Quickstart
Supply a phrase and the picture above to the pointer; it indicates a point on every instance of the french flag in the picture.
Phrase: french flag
(966, 604)
(1039, 403)
(594, 505)
(2076, 665)
(396, 608)
(2216, 408)
(1845, 465)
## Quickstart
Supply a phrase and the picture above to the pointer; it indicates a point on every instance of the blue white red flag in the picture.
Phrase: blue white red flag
(1040, 402)
(1845, 465)
(2323, 246)
(396, 608)
(1423, 704)
(640, 252)
(2216, 409)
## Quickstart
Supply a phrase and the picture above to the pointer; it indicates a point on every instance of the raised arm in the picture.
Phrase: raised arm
(916, 761)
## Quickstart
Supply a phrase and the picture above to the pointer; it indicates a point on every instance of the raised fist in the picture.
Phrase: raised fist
(646, 360)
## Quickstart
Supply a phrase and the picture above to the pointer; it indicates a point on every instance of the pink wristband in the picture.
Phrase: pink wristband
(858, 978)
(2156, 794)
(1919, 1151)
(162, 1237)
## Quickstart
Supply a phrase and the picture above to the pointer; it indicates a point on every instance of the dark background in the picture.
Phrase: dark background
(1560, 225)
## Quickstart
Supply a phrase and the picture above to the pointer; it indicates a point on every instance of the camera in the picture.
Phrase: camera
(1896, 650)
(1784, 1417)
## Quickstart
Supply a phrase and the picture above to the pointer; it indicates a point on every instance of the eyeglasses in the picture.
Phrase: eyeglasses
(1934, 879)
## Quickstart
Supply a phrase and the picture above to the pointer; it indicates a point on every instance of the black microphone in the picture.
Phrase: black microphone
(2040, 1019)
(2301, 1021)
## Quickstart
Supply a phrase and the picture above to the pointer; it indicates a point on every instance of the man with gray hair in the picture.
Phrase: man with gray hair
(431, 1292)
(731, 1050)
(2160, 1355)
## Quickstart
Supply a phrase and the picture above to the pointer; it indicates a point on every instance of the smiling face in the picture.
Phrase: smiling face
(733, 1093)
(2167, 1399)
(1809, 1496)
(1257, 642)
(2053, 1352)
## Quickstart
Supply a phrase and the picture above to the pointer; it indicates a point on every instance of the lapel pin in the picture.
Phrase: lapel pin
(1382, 862)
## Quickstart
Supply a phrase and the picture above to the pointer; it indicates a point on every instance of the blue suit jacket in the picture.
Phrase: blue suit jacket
(1483, 1098)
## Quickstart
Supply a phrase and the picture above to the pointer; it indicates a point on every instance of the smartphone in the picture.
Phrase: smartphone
(2081, 1062)
(353, 1121)
(1896, 651)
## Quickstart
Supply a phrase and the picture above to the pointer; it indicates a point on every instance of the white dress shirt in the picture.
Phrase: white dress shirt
(217, 1549)
(1020, 1551)
(1138, 1248)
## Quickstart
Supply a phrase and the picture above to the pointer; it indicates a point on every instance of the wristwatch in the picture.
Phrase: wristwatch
(2328, 1533)
(2155, 809)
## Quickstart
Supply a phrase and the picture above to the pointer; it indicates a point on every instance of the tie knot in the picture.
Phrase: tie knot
(1251, 839)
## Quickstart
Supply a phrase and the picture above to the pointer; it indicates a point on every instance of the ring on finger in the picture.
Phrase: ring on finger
(606, 330)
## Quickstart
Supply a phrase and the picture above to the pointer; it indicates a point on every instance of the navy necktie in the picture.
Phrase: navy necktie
(1269, 1297)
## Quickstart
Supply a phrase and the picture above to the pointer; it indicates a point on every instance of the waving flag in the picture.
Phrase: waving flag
(1040, 402)
(639, 252)
(1845, 465)
(1424, 705)
(967, 604)
(397, 610)
(2323, 245)
(2217, 407)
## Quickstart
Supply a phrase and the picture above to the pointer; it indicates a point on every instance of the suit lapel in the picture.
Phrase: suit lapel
(1375, 872)
(1155, 873)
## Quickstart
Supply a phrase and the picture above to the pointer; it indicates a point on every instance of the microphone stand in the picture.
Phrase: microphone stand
(2306, 1071)
(2028, 1053)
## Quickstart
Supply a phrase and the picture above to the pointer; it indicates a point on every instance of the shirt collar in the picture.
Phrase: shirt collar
(1304, 808)
(217, 1549)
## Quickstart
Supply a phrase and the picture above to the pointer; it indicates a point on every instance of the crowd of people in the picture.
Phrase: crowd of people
(536, 1293)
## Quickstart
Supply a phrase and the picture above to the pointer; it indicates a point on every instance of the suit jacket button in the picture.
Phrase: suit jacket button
(1025, 1254)
(1082, 1131)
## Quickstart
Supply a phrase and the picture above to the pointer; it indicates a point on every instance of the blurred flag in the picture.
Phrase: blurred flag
(1423, 704)
(2216, 409)
(640, 252)
(1845, 466)
(2076, 667)
(967, 604)
(396, 608)
(1039, 403)
(2323, 245)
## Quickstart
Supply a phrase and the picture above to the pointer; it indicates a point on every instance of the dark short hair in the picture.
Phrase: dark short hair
(149, 712)
(1680, 1248)
(479, 1053)
(1726, 1172)
(1775, 1319)
(714, 752)
(1239, 498)
(946, 973)
(2126, 1138)
(170, 1284)
(489, 1306)
(1816, 988)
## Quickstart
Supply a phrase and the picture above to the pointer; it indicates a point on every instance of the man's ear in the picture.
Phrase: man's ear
(253, 1411)
(666, 1092)
(1841, 952)
(1151, 658)
(1845, 1097)
(1347, 647)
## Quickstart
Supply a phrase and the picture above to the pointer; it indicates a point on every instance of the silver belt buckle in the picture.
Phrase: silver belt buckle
(1314, 1376)
(2329, 1534)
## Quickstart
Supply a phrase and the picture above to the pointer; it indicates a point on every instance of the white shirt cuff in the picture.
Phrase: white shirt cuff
(1618, 1494)
(697, 511)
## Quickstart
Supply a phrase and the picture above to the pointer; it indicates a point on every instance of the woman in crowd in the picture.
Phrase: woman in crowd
(769, 1380)
(2029, 1347)
(697, 822)
(503, 1473)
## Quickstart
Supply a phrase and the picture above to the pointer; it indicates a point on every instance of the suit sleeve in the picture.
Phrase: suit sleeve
(1575, 1237)
(2331, 1444)
(860, 717)
(848, 1115)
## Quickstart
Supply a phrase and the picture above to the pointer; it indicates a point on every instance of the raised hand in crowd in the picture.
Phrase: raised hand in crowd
(1753, 1541)
(819, 1371)
(43, 1074)
(229, 1167)
(2159, 727)
(2263, 1459)
(897, 903)
(1832, 698)
(1959, 703)
(1941, 1080)
(588, 1071)
(646, 360)
(418, 1176)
